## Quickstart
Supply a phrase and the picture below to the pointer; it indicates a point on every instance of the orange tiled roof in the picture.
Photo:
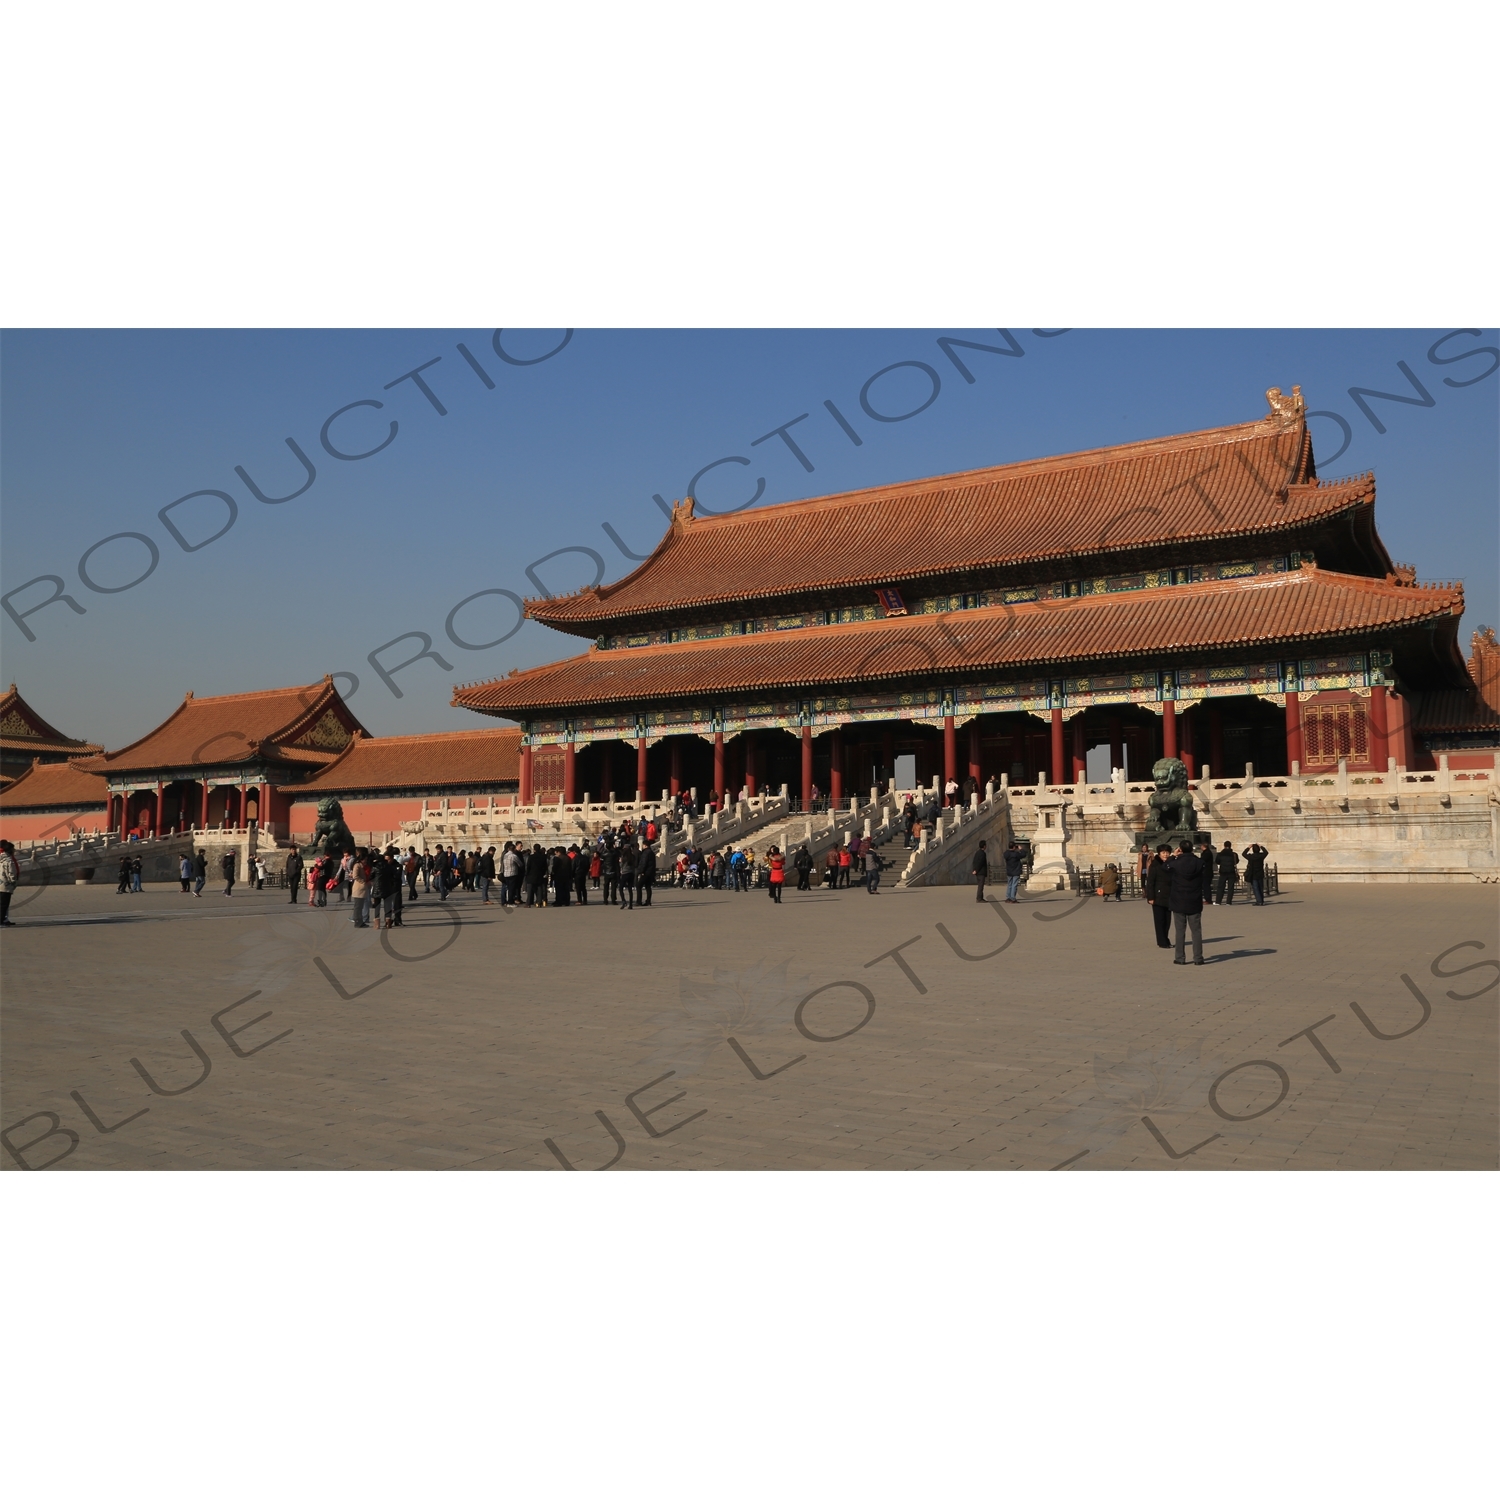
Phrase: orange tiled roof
(469, 757)
(307, 726)
(23, 728)
(1306, 604)
(1474, 707)
(60, 784)
(1250, 479)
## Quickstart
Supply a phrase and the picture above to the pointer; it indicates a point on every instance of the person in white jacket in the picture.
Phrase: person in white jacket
(10, 876)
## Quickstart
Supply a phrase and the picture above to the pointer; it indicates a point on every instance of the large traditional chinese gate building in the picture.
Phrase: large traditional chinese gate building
(26, 738)
(224, 763)
(1207, 595)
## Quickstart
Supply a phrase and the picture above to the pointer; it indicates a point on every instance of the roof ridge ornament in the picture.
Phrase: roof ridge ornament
(1286, 411)
(682, 511)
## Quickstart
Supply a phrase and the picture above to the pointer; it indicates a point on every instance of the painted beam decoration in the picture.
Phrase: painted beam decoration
(244, 776)
(1114, 687)
(1148, 689)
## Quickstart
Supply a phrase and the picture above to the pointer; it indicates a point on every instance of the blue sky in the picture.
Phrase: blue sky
(100, 430)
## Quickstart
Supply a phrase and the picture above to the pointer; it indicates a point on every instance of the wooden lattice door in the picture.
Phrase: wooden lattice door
(1332, 732)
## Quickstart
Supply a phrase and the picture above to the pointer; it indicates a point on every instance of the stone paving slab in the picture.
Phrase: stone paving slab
(1049, 1034)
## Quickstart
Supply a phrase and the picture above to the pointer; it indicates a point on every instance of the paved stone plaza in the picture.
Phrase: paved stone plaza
(1026, 1037)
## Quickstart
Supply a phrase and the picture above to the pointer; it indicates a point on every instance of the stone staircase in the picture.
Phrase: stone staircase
(95, 859)
(945, 854)
(734, 825)
(875, 816)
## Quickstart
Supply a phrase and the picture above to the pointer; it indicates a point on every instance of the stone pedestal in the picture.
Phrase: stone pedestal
(1050, 865)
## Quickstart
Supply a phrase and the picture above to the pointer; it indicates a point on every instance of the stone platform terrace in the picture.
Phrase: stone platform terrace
(246, 1033)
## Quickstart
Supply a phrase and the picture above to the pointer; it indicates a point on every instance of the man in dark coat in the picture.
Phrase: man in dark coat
(536, 877)
(1156, 884)
(1255, 872)
(1227, 865)
(1014, 863)
(580, 858)
(394, 855)
(609, 868)
(1204, 854)
(627, 870)
(560, 874)
(227, 865)
(1185, 897)
(294, 869)
(803, 860)
(645, 874)
(386, 879)
(981, 870)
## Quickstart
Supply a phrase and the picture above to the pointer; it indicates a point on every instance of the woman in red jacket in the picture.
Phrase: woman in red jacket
(778, 874)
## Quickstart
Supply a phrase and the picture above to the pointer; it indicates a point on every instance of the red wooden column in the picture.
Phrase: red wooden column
(606, 768)
(1057, 747)
(1080, 755)
(1293, 732)
(676, 776)
(203, 821)
(752, 781)
(1169, 730)
(1215, 741)
(718, 767)
(836, 765)
(1116, 743)
(1379, 736)
(161, 808)
(640, 768)
(950, 752)
(570, 773)
(806, 767)
(976, 766)
(1398, 729)
(525, 773)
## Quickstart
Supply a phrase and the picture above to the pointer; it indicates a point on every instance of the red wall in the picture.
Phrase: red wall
(21, 825)
(369, 815)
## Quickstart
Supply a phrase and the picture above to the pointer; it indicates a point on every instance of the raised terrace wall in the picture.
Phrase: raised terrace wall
(1399, 826)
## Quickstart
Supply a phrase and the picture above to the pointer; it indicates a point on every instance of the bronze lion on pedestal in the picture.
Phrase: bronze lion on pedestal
(1171, 816)
(331, 837)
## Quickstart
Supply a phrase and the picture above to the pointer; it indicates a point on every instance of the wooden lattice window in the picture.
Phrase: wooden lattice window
(1332, 732)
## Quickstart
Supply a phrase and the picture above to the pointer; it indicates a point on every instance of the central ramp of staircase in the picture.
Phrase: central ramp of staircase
(945, 856)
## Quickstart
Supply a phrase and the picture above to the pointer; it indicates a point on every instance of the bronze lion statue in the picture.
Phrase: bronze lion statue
(331, 836)
(1171, 815)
